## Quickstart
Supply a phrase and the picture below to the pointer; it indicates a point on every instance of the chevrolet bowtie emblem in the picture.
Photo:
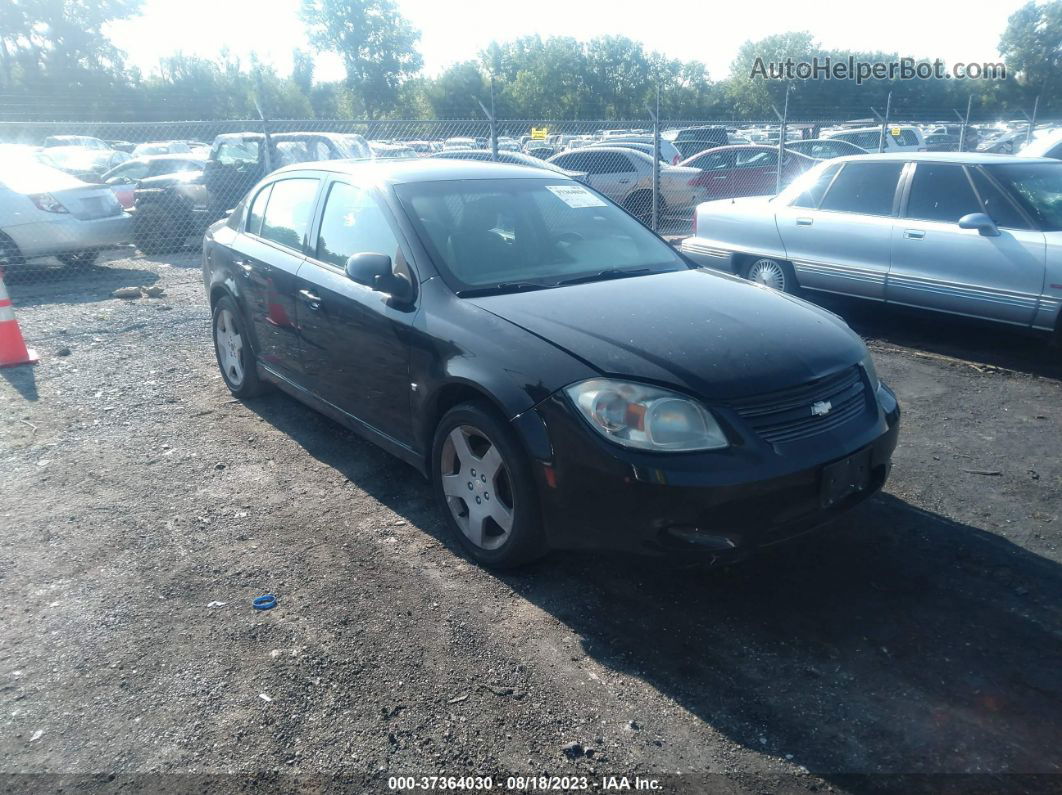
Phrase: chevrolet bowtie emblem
(820, 408)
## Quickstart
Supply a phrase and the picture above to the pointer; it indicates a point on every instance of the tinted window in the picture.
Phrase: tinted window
(906, 138)
(996, 204)
(257, 211)
(866, 188)
(607, 163)
(133, 171)
(941, 193)
(289, 212)
(576, 161)
(812, 194)
(353, 223)
(864, 140)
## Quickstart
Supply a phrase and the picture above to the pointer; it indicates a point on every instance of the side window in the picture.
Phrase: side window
(576, 161)
(353, 223)
(812, 195)
(906, 138)
(866, 188)
(1055, 152)
(289, 212)
(941, 193)
(254, 217)
(133, 171)
(713, 162)
(232, 153)
(607, 163)
(755, 158)
(998, 207)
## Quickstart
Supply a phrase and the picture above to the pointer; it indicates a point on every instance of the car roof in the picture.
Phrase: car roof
(423, 169)
(941, 157)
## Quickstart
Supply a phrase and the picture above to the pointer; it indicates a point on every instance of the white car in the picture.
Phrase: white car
(46, 212)
(898, 138)
(1045, 145)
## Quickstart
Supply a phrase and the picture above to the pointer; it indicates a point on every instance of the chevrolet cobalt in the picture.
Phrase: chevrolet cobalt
(561, 374)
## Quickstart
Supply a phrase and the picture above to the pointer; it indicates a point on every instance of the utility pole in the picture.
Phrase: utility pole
(783, 117)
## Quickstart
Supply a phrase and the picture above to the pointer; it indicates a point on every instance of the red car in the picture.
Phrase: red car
(745, 170)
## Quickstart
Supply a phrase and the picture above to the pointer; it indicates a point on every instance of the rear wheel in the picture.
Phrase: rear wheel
(81, 259)
(483, 482)
(772, 273)
(233, 350)
(156, 230)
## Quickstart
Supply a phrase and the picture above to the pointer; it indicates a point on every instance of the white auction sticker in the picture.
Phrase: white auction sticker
(575, 196)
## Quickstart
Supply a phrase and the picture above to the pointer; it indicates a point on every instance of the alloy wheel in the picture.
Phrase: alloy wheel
(230, 347)
(767, 272)
(478, 487)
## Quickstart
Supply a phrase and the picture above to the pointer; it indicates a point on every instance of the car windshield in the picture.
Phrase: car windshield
(528, 232)
(1037, 187)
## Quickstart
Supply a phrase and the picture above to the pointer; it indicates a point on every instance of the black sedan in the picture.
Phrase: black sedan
(563, 376)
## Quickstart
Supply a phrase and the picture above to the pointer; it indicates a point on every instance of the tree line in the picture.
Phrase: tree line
(56, 62)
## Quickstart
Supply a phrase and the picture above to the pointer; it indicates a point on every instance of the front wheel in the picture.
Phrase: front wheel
(483, 483)
(772, 273)
(233, 350)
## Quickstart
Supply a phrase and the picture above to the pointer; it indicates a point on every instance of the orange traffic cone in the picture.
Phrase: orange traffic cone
(13, 348)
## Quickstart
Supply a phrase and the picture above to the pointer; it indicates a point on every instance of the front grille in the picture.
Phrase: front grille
(785, 415)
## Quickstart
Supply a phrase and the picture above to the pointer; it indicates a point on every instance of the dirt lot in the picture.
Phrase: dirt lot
(915, 645)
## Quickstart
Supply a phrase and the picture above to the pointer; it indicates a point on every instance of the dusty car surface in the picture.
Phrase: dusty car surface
(563, 376)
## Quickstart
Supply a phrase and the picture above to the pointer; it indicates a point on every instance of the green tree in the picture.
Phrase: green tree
(1031, 45)
(377, 44)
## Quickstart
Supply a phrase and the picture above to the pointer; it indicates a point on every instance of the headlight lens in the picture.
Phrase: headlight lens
(646, 417)
(872, 373)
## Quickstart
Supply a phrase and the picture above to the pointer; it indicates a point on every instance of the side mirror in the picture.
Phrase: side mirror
(981, 222)
(375, 272)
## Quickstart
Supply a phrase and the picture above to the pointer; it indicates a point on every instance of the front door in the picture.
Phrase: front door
(355, 342)
(937, 265)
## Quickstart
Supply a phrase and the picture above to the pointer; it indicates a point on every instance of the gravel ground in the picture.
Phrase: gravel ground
(917, 644)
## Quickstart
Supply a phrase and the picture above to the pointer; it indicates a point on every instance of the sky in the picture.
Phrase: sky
(456, 30)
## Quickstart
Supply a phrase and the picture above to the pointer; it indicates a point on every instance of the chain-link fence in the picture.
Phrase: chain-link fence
(75, 196)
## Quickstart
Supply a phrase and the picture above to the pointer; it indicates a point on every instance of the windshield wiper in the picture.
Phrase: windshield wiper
(609, 273)
(503, 287)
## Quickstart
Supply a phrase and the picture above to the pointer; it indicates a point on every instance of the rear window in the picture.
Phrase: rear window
(865, 188)
(906, 138)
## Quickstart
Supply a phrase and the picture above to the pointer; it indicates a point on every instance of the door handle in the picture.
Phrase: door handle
(719, 178)
(624, 181)
(805, 221)
(245, 266)
(314, 301)
(914, 234)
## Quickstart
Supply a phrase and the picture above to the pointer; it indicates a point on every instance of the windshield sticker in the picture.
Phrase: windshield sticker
(575, 196)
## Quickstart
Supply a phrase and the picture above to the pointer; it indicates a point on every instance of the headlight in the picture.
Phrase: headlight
(872, 373)
(646, 417)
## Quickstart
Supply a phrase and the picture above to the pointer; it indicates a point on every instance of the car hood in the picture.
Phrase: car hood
(709, 334)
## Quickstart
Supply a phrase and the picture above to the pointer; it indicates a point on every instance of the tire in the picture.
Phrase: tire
(771, 272)
(232, 347)
(82, 259)
(10, 255)
(155, 230)
(502, 527)
(640, 205)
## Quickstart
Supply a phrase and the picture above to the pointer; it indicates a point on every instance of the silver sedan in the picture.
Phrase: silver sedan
(964, 233)
(45, 212)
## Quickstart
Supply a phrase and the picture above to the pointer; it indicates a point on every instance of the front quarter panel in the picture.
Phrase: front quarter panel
(1049, 310)
(459, 344)
(733, 226)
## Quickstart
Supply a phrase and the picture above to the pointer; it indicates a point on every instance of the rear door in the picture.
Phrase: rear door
(355, 342)
(268, 255)
(717, 173)
(755, 172)
(838, 233)
(612, 173)
(937, 265)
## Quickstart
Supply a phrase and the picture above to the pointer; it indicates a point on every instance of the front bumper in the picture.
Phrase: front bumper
(66, 234)
(722, 504)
